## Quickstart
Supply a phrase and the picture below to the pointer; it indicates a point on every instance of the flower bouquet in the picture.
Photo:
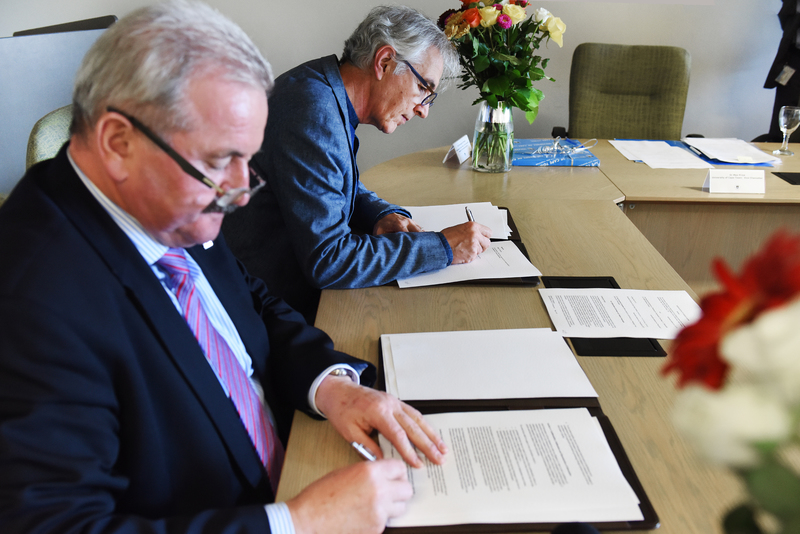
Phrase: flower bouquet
(739, 367)
(497, 47)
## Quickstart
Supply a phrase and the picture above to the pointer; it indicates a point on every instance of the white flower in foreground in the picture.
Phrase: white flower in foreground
(723, 425)
(769, 347)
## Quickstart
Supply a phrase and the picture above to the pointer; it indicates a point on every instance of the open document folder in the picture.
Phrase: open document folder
(548, 456)
(519, 467)
(502, 260)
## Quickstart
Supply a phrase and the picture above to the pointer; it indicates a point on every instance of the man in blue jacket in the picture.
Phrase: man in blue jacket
(315, 225)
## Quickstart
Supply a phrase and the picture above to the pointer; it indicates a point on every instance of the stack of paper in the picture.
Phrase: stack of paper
(602, 313)
(734, 151)
(519, 467)
(660, 155)
(437, 218)
(502, 260)
(482, 364)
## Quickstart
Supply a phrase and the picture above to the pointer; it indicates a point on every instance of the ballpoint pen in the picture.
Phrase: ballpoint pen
(363, 451)
(469, 214)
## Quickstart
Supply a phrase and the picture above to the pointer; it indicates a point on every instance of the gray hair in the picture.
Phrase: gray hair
(406, 30)
(145, 61)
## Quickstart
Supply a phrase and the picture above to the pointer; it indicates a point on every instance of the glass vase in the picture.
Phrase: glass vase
(493, 142)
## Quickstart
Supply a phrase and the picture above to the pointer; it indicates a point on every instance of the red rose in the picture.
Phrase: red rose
(472, 17)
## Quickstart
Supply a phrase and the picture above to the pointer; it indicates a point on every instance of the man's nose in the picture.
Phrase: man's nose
(422, 110)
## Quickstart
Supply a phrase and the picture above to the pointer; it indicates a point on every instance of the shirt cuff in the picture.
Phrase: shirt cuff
(354, 375)
(280, 519)
(447, 248)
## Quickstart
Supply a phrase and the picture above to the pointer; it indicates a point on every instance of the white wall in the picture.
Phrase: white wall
(732, 44)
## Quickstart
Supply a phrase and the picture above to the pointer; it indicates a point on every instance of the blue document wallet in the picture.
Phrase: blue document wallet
(552, 153)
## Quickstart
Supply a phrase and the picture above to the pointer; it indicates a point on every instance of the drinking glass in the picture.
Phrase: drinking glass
(788, 121)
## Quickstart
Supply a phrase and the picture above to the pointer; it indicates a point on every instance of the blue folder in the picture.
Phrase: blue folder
(540, 153)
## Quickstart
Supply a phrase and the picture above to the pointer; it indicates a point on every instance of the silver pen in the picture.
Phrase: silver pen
(363, 451)
(469, 214)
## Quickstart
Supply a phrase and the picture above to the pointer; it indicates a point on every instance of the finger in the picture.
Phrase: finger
(423, 436)
(426, 427)
(396, 434)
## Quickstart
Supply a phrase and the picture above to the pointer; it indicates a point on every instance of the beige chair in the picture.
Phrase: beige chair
(48, 135)
(627, 91)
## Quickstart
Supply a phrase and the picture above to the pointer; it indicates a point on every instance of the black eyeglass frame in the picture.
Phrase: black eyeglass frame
(225, 201)
(428, 100)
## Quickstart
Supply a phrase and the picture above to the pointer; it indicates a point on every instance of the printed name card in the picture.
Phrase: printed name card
(461, 148)
(734, 181)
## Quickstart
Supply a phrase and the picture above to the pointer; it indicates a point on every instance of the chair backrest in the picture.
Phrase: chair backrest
(628, 91)
(48, 135)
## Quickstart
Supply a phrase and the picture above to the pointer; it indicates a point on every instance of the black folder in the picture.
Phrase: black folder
(650, 521)
(609, 346)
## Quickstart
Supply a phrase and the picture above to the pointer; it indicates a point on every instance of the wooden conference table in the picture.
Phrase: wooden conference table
(569, 220)
(688, 226)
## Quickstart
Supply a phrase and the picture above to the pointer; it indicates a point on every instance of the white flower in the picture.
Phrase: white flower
(541, 14)
(724, 425)
(769, 347)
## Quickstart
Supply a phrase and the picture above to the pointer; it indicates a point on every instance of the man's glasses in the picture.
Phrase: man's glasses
(428, 100)
(226, 200)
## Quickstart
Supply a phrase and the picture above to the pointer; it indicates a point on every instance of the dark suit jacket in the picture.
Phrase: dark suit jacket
(111, 420)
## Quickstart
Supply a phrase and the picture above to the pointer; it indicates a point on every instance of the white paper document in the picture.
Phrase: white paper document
(619, 312)
(437, 218)
(501, 260)
(731, 150)
(519, 466)
(482, 364)
(660, 155)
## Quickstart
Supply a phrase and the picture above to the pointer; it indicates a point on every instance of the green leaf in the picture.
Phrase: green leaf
(741, 520)
(531, 115)
(492, 100)
(775, 488)
(481, 63)
(505, 57)
(497, 85)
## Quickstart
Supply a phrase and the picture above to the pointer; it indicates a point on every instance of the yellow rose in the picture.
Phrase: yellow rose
(488, 16)
(516, 13)
(556, 28)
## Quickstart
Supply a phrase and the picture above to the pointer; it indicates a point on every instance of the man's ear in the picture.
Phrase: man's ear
(382, 64)
(113, 136)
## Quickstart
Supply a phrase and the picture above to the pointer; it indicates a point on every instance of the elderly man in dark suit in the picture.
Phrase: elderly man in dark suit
(147, 382)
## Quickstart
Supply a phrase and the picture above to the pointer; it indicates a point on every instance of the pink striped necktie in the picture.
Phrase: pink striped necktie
(225, 365)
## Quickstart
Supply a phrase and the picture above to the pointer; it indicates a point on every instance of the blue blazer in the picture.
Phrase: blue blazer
(111, 420)
(315, 217)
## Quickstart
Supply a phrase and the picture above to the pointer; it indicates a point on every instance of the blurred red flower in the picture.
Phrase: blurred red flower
(768, 279)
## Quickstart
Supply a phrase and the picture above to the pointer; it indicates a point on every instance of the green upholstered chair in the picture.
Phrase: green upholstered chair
(628, 91)
(48, 135)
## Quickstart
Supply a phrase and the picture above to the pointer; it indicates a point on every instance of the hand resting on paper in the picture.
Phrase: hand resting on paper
(355, 411)
(467, 240)
(394, 222)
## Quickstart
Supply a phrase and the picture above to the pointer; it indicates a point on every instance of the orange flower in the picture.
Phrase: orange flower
(472, 17)
(769, 279)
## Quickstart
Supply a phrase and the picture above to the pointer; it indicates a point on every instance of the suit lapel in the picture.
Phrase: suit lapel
(148, 296)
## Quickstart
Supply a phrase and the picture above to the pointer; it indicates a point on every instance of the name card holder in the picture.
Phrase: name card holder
(735, 181)
(461, 148)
